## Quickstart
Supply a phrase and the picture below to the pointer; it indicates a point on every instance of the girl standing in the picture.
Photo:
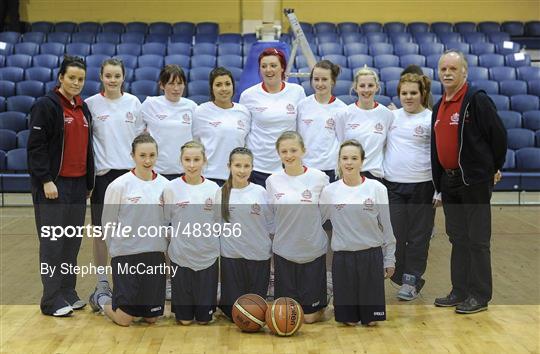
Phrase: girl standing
(194, 249)
(220, 125)
(362, 240)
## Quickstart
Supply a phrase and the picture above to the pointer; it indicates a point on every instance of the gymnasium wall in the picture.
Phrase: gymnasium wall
(230, 13)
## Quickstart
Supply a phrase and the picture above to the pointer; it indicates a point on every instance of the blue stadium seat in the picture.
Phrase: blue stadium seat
(472, 60)
(237, 73)
(424, 37)
(501, 102)
(30, 88)
(160, 28)
(368, 27)
(340, 60)
(441, 27)
(65, 26)
(431, 48)
(346, 27)
(418, 27)
(376, 37)
(150, 60)
(181, 38)
(537, 138)
(92, 27)
(205, 49)
(22, 138)
(49, 86)
(528, 160)
(330, 48)
(179, 48)
(391, 88)
(199, 99)
(93, 73)
(307, 88)
(96, 60)
(507, 47)
(184, 27)
(8, 138)
(386, 60)
(519, 138)
(345, 74)
(355, 48)
(491, 60)
(10, 37)
(518, 59)
(79, 49)
(436, 98)
(91, 88)
(108, 37)
(130, 61)
(19, 60)
(380, 48)
(38, 73)
(473, 37)
(501, 73)
(249, 38)
(181, 60)
(83, 37)
(510, 119)
(384, 100)
(513, 87)
(198, 87)
(523, 103)
(53, 49)
(390, 73)
(510, 180)
(405, 48)
(129, 48)
(498, 37)
(157, 38)
(33, 37)
(235, 38)
(14, 121)
(19, 181)
(460, 46)
(342, 87)
(113, 27)
(207, 28)
(7, 88)
(534, 87)
(42, 26)
(489, 26)
(348, 99)
(147, 73)
(528, 73)
(353, 37)
(324, 27)
(154, 48)
(436, 87)
(531, 120)
(230, 49)
(6, 50)
(393, 27)
(133, 37)
(3, 103)
(400, 37)
(491, 87)
(432, 61)
(429, 72)
(13, 74)
(16, 160)
(449, 37)
(59, 37)
(330, 37)
(229, 61)
(203, 60)
(20, 103)
(2, 165)
(144, 88)
(532, 29)
(513, 28)
(108, 49)
(200, 73)
(137, 26)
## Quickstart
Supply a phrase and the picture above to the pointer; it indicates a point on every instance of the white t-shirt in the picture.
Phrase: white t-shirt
(370, 128)
(220, 131)
(170, 124)
(249, 208)
(316, 123)
(360, 217)
(407, 158)
(135, 203)
(271, 115)
(115, 123)
(188, 208)
(299, 236)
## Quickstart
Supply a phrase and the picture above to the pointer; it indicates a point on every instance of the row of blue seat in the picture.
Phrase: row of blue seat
(119, 27)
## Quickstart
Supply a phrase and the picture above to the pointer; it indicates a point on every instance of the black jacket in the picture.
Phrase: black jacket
(46, 141)
(481, 141)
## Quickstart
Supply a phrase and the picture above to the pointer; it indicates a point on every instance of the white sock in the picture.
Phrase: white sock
(102, 277)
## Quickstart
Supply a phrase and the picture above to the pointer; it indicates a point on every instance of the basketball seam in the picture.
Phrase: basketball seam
(248, 315)
(276, 328)
(299, 318)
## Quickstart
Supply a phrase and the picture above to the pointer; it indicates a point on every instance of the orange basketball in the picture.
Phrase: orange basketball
(284, 316)
(248, 312)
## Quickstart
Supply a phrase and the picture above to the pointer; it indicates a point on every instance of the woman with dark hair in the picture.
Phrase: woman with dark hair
(273, 104)
(61, 166)
(117, 121)
(168, 119)
(220, 124)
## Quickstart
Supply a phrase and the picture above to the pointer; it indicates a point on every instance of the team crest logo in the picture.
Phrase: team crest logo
(182, 204)
(260, 109)
(306, 195)
(290, 108)
(307, 121)
(330, 123)
(103, 117)
(130, 118)
(368, 204)
(134, 200)
(186, 118)
(255, 209)
(454, 119)
(419, 130)
(208, 204)
(379, 128)
(215, 124)
(353, 125)
(339, 206)
(279, 195)
(241, 124)
(161, 116)
(68, 120)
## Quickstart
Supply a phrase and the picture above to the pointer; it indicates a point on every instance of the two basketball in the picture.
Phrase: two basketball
(248, 312)
(284, 316)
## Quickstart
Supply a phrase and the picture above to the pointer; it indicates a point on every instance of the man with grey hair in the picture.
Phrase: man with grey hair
(468, 148)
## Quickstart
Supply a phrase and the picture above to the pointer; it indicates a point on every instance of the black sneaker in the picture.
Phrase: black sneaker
(471, 305)
(449, 300)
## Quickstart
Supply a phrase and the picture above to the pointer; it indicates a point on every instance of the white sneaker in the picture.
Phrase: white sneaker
(77, 305)
(168, 290)
(63, 311)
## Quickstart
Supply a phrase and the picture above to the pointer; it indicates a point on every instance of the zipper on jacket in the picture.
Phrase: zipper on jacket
(461, 144)
(62, 155)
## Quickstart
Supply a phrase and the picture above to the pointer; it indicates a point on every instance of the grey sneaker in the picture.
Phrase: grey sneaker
(102, 287)
(63, 311)
(408, 290)
(78, 305)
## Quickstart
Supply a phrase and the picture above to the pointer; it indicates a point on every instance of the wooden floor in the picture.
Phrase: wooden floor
(511, 325)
